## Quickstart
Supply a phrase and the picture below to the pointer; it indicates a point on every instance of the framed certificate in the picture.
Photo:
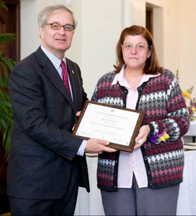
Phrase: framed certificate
(118, 125)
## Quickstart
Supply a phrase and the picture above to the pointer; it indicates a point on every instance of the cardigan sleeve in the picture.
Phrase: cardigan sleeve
(176, 123)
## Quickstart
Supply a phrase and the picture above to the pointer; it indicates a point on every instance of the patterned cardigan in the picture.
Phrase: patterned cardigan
(165, 111)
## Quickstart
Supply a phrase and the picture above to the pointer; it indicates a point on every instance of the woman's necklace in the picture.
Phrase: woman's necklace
(134, 83)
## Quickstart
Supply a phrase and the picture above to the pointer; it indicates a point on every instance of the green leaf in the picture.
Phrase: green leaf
(6, 38)
(190, 90)
(3, 5)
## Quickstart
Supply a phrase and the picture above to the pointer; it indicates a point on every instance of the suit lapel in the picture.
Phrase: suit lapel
(72, 76)
(50, 71)
(74, 82)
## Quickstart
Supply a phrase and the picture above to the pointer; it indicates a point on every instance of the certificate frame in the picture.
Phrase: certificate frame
(92, 110)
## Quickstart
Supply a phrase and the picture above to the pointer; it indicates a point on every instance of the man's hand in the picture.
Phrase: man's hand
(98, 146)
(77, 114)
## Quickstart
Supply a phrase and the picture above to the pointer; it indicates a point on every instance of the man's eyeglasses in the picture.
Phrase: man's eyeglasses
(138, 47)
(57, 26)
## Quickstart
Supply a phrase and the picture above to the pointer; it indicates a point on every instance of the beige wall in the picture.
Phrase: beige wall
(187, 48)
(100, 24)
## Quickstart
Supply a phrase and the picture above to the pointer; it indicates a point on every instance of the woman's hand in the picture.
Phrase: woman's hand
(142, 136)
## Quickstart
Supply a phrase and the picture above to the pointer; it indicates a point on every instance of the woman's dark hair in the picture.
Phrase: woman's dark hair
(152, 64)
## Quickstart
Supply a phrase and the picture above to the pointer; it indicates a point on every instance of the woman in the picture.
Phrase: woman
(146, 181)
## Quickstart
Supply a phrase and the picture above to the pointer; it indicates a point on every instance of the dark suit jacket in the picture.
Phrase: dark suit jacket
(43, 149)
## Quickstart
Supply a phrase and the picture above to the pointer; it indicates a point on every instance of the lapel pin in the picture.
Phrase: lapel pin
(72, 72)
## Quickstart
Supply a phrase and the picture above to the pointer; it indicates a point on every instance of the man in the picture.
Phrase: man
(47, 162)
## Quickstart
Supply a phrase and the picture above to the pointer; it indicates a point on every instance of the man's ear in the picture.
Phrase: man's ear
(41, 32)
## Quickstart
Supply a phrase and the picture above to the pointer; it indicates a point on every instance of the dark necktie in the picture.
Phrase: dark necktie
(65, 76)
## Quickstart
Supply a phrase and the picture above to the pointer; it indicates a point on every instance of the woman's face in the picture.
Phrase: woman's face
(135, 51)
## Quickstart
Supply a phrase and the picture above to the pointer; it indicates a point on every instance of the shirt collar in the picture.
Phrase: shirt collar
(121, 80)
(55, 61)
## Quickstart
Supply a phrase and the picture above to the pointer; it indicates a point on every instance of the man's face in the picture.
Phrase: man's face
(57, 41)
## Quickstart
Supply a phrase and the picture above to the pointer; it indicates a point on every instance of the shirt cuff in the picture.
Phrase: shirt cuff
(82, 148)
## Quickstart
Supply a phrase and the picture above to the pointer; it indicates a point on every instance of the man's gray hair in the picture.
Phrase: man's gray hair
(44, 15)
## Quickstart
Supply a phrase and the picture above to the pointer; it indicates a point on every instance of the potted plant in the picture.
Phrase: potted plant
(6, 66)
(6, 121)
